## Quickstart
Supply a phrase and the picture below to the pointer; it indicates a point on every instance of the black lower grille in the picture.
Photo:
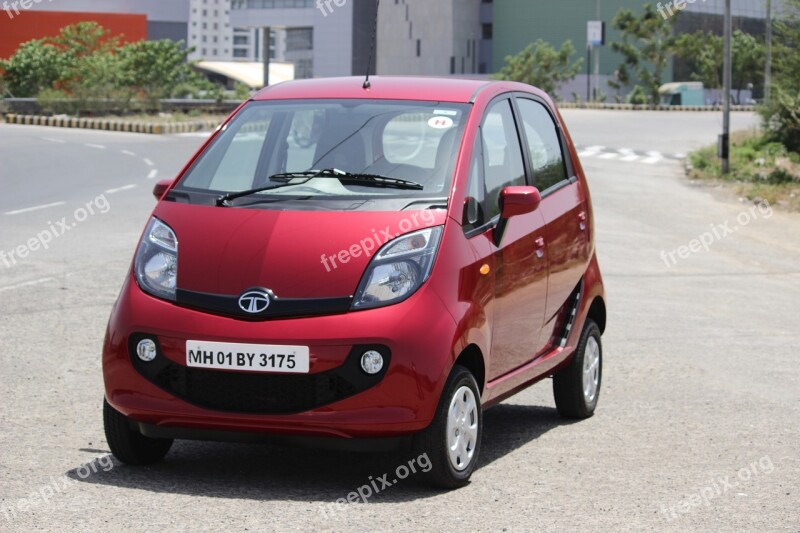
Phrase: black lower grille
(258, 393)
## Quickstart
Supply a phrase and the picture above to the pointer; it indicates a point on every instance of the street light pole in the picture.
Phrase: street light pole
(725, 141)
(768, 69)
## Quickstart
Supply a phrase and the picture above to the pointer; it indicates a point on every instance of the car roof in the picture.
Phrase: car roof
(455, 90)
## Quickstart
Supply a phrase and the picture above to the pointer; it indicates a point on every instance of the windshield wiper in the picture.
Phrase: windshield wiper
(224, 200)
(360, 178)
(368, 180)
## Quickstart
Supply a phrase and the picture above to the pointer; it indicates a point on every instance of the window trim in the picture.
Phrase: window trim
(567, 161)
(492, 222)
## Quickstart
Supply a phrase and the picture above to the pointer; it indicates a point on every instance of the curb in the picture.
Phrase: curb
(112, 125)
(632, 107)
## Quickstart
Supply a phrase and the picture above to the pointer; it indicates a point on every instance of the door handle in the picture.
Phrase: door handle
(539, 247)
(582, 218)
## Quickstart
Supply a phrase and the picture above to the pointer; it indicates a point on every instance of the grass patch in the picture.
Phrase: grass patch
(760, 170)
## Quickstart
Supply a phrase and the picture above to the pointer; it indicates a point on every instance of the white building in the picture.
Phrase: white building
(322, 38)
(216, 39)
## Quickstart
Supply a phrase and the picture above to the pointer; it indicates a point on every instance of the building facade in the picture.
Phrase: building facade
(214, 38)
(166, 19)
(431, 38)
(322, 38)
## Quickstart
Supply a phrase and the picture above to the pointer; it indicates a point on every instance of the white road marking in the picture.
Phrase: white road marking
(97, 146)
(34, 208)
(149, 163)
(680, 156)
(120, 189)
(628, 155)
(609, 155)
(153, 174)
(128, 152)
(591, 151)
(51, 140)
(654, 158)
(26, 284)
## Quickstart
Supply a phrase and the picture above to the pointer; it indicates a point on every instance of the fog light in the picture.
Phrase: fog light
(371, 362)
(146, 350)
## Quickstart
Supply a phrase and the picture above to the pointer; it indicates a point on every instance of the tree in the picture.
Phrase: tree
(704, 52)
(782, 114)
(36, 66)
(542, 66)
(155, 68)
(646, 47)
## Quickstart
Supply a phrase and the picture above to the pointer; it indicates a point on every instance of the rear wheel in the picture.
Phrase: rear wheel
(128, 445)
(576, 388)
(453, 440)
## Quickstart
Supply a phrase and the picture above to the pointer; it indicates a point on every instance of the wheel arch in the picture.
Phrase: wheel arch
(472, 359)
(597, 312)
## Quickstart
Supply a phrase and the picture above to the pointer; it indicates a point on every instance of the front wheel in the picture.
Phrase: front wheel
(127, 444)
(453, 440)
(576, 387)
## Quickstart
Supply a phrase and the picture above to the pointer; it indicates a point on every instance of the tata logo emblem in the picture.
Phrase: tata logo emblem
(254, 301)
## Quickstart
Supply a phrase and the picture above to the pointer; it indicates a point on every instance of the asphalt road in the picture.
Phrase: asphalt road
(698, 422)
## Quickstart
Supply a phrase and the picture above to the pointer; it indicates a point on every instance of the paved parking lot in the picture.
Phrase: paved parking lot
(699, 417)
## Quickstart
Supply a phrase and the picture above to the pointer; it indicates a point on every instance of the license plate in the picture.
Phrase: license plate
(247, 357)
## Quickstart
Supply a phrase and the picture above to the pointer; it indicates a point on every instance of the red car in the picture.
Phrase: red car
(362, 267)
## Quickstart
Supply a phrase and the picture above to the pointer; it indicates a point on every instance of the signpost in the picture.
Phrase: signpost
(595, 37)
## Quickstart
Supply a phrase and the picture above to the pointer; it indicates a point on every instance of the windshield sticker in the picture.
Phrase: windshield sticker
(441, 123)
(448, 112)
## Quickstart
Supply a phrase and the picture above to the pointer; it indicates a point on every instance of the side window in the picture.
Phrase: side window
(543, 144)
(503, 163)
(474, 200)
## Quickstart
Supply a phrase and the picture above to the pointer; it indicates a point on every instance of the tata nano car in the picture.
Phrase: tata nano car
(362, 267)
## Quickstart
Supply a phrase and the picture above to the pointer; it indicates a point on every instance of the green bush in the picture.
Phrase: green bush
(84, 71)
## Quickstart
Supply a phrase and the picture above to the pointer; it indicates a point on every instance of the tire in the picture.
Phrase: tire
(128, 445)
(450, 470)
(575, 396)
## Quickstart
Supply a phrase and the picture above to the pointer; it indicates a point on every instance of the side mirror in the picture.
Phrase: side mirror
(516, 201)
(160, 188)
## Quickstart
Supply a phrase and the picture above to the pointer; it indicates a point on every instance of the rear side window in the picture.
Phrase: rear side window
(502, 155)
(543, 144)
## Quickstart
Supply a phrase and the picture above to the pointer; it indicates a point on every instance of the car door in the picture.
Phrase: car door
(520, 256)
(563, 207)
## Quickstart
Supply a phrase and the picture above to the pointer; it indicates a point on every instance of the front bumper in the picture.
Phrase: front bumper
(334, 400)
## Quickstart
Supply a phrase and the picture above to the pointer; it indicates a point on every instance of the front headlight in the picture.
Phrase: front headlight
(156, 263)
(398, 269)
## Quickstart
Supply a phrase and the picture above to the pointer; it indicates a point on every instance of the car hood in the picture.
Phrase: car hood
(295, 254)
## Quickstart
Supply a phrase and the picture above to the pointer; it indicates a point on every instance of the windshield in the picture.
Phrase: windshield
(415, 142)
